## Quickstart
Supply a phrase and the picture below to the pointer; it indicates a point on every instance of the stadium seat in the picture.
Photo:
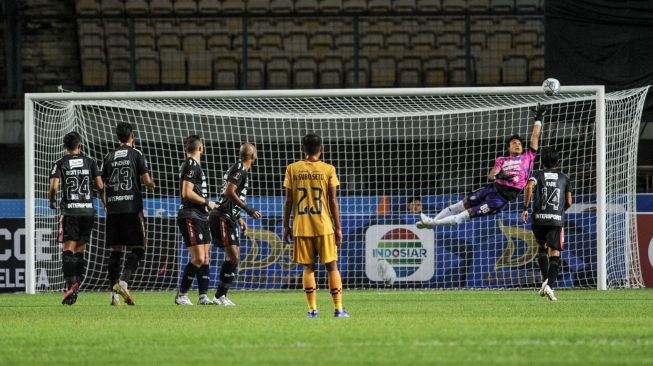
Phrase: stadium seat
(454, 5)
(144, 36)
(458, 71)
(379, 6)
(478, 38)
(113, 6)
(450, 40)
(478, 5)
(306, 6)
(320, 41)
(398, 41)
(255, 73)
(258, 6)
(119, 73)
(524, 42)
(86, 7)
(136, 6)
(185, 6)
(354, 6)
(200, 69)
(344, 40)
(226, 73)
(173, 67)
(92, 52)
(330, 72)
(270, 42)
(514, 70)
(209, 6)
(536, 69)
(161, 6)
(168, 41)
(219, 42)
(90, 28)
(423, 41)
(428, 5)
(488, 69)
(238, 42)
(304, 73)
(410, 72)
(383, 72)
(331, 6)
(507, 24)
(528, 5)
(502, 5)
(436, 72)
(371, 41)
(296, 43)
(233, 6)
(363, 73)
(193, 43)
(278, 73)
(499, 41)
(147, 69)
(281, 6)
(94, 72)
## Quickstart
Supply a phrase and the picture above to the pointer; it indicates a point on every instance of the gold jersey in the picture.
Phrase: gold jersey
(309, 182)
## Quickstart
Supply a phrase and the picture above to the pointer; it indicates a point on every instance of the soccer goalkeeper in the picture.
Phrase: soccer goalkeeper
(509, 176)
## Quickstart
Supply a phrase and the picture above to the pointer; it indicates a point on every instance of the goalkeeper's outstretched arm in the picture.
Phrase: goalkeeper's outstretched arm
(538, 115)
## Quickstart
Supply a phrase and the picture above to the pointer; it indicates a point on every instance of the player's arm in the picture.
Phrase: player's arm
(334, 208)
(148, 181)
(99, 184)
(538, 115)
(145, 173)
(528, 193)
(188, 193)
(569, 201)
(231, 194)
(492, 174)
(287, 210)
(54, 187)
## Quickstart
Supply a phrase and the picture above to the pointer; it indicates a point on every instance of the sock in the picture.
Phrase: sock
(203, 279)
(114, 268)
(554, 266)
(68, 267)
(79, 267)
(543, 262)
(187, 279)
(227, 276)
(335, 287)
(310, 289)
(454, 209)
(455, 219)
(131, 263)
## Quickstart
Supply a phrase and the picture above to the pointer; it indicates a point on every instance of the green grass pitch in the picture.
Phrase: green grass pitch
(386, 328)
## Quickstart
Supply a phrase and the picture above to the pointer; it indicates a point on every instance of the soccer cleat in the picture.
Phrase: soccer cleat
(121, 288)
(550, 294)
(182, 300)
(541, 292)
(204, 300)
(312, 314)
(340, 313)
(223, 300)
(425, 222)
(115, 299)
(70, 297)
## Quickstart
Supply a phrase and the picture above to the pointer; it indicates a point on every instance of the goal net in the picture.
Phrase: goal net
(389, 146)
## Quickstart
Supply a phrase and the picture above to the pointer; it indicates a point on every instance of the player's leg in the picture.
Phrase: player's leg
(226, 236)
(539, 233)
(189, 233)
(69, 236)
(486, 201)
(328, 252)
(203, 275)
(459, 212)
(133, 235)
(555, 242)
(304, 253)
(113, 240)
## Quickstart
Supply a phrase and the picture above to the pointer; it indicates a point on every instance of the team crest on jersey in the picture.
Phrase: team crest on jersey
(76, 163)
(120, 154)
(550, 176)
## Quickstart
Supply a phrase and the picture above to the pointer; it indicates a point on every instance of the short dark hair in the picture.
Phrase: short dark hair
(311, 143)
(413, 199)
(192, 143)
(515, 137)
(550, 157)
(72, 140)
(123, 131)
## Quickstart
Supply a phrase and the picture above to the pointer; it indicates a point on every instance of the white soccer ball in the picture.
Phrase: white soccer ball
(386, 272)
(551, 86)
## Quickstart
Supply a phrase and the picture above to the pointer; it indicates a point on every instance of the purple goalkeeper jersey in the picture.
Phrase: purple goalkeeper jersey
(519, 167)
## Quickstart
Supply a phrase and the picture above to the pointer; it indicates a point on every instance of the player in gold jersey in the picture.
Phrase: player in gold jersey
(311, 187)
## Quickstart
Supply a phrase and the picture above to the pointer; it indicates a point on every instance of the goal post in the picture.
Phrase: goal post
(387, 145)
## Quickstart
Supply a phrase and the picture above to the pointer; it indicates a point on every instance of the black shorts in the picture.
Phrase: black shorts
(552, 236)
(75, 228)
(194, 231)
(126, 229)
(224, 231)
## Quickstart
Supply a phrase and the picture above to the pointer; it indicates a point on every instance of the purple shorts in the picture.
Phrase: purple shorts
(486, 201)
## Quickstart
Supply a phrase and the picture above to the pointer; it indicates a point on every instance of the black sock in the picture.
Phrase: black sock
(203, 276)
(79, 267)
(554, 266)
(114, 267)
(227, 275)
(131, 263)
(189, 275)
(543, 262)
(68, 267)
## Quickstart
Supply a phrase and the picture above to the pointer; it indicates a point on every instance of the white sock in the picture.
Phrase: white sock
(454, 209)
(455, 219)
(123, 284)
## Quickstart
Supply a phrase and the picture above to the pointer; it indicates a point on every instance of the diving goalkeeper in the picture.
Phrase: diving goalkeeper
(509, 176)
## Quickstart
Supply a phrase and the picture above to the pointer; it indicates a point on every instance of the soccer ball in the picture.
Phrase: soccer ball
(551, 86)
(386, 272)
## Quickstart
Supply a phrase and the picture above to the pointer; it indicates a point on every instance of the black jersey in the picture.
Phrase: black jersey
(191, 171)
(238, 176)
(122, 170)
(77, 175)
(550, 197)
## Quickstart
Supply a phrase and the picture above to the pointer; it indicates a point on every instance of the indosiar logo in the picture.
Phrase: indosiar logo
(399, 253)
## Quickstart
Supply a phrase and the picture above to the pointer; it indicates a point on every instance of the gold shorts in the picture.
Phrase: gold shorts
(306, 248)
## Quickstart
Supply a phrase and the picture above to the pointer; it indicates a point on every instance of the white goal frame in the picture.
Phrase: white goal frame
(30, 98)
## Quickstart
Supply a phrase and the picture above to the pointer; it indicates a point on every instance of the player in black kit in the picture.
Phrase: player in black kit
(76, 173)
(193, 223)
(225, 220)
(553, 191)
(122, 171)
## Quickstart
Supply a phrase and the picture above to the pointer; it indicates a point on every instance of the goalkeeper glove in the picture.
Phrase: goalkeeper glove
(539, 111)
(53, 205)
(503, 176)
